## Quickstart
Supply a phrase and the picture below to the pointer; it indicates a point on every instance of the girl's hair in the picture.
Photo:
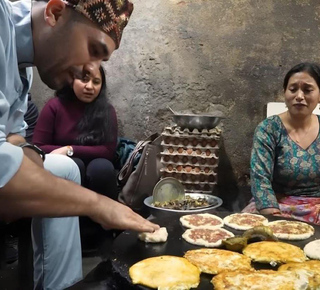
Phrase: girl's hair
(95, 125)
(312, 69)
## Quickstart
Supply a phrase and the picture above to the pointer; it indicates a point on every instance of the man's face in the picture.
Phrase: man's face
(68, 46)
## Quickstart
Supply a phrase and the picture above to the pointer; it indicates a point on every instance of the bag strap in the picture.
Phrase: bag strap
(127, 168)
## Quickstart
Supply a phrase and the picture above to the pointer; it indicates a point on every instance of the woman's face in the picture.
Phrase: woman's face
(88, 88)
(302, 94)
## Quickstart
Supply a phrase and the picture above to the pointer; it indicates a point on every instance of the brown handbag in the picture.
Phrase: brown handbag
(139, 183)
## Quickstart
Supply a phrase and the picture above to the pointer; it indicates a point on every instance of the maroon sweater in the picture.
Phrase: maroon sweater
(57, 127)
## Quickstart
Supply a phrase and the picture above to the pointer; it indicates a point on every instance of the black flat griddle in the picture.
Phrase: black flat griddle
(128, 249)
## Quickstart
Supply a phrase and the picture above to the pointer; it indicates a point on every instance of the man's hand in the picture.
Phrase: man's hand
(271, 210)
(112, 214)
(61, 150)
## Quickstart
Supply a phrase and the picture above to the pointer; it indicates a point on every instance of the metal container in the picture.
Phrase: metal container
(213, 201)
(168, 188)
(199, 122)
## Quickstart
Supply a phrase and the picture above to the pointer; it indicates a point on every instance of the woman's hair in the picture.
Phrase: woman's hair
(95, 125)
(312, 69)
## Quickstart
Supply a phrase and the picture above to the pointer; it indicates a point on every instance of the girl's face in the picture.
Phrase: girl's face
(302, 94)
(88, 88)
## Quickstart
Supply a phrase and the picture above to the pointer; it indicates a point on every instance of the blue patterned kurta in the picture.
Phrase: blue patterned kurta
(281, 166)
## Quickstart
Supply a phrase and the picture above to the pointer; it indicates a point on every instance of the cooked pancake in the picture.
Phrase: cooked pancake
(165, 272)
(269, 251)
(311, 268)
(214, 261)
(259, 280)
(291, 230)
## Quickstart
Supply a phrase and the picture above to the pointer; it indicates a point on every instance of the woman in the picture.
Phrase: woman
(285, 159)
(80, 123)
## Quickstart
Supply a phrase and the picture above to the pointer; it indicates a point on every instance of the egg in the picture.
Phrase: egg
(195, 142)
(203, 161)
(212, 161)
(184, 176)
(213, 143)
(188, 168)
(185, 159)
(170, 167)
(175, 159)
(206, 170)
(204, 143)
(177, 141)
(170, 149)
(211, 178)
(166, 158)
(189, 151)
(202, 178)
(180, 150)
(194, 160)
(185, 142)
(208, 152)
(179, 168)
(197, 169)
(198, 151)
(167, 140)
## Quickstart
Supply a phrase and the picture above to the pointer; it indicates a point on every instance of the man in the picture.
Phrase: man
(64, 37)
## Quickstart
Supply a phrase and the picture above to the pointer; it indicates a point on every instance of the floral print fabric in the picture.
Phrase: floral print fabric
(280, 167)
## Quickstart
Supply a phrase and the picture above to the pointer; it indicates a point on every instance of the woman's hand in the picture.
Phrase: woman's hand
(271, 210)
(61, 150)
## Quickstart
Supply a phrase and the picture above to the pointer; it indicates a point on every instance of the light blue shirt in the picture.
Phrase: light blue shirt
(16, 49)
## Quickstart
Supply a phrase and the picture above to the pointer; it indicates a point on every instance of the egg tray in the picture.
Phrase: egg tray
(200, 187)
(191, 178)
(189, 142)
(175, 130)
(186, 168)
(200, 151)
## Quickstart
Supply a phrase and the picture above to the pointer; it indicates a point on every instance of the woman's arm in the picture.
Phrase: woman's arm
(44, 130)
(262, 165)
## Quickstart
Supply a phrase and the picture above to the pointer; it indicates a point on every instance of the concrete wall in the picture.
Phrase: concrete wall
(188, 54)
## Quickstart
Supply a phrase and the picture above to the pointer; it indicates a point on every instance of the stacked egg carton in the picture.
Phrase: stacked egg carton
(191, 156)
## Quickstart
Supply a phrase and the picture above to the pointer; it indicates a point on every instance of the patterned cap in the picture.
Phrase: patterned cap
(111, 16)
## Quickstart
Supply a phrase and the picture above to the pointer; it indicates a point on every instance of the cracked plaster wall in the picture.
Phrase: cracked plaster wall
(190, 53)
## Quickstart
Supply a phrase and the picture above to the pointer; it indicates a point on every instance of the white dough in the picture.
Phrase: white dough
(158, 236)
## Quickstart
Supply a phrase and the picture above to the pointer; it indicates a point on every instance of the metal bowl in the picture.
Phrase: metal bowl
(199, 122)
(213, 201)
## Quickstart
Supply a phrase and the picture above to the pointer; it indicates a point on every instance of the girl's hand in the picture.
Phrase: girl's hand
(271, 210)
(61, 150)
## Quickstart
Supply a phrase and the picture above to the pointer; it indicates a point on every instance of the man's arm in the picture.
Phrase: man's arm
(35, 192)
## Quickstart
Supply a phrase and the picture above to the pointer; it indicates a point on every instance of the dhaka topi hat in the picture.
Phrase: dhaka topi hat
(111, 16)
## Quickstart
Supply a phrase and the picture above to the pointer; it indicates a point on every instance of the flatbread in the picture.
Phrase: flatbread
(311, 268)
(206, 237)
(214, 261)
(291, 230)
(201, 220)
(158, 236)
(274, 252)
(312, 249)
(260, 280)
(165, 272)
(245, 221)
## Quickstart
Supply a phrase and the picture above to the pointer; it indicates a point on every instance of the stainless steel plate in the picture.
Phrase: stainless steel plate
(213, 201)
